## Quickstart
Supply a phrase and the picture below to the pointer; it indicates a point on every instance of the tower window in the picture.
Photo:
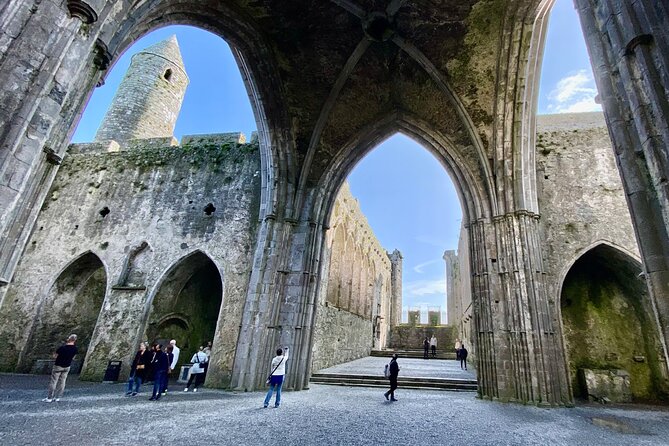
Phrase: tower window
(168, 75)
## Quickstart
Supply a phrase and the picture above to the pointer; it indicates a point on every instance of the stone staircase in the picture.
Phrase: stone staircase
(441, 354)
(351, 380)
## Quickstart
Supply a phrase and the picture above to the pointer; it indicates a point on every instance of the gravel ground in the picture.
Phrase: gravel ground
(99, 414)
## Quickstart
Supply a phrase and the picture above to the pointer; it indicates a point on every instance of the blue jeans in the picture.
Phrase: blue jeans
(275, 381)
(158, 383)
(136, 381)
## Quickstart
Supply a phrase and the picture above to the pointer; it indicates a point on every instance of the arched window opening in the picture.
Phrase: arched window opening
(72, 305)
(167, 75)
(389, 227)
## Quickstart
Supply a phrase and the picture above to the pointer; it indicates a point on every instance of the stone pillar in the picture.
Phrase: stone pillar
(396, 288)
(43, 71)
(518, 340)
(629, 47)
(116, 334)
(452, 313)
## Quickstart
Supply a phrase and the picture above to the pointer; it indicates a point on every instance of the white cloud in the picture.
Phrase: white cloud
(420, 268)
(574, 94)
(424, 287)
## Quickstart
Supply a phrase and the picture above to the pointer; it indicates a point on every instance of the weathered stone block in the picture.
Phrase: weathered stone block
(606, 385)
(214, 138)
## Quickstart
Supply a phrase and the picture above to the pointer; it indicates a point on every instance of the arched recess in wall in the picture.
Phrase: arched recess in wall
(608, 323)
(186, 305)
(71, 305)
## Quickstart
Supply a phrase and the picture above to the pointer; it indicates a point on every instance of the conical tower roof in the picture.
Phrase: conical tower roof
(168, 49)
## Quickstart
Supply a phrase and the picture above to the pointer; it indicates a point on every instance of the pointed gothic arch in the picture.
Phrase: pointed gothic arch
(609, 322)
(70, 304)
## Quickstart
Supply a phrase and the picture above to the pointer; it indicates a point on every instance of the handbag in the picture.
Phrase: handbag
(270, 375)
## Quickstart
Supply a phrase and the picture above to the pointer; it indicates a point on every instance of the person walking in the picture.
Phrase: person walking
(394, 370)
(426, 348)
(138, 370)
(275, 379)
(159, 365)
(458, 344)
(169, 351)
(433, 346)
(463, 356)
(61, 367)
(173, 354)
(198, 368)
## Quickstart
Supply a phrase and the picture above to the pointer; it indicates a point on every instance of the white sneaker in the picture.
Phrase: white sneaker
(186, 389)
(47, 400)
(195, 389)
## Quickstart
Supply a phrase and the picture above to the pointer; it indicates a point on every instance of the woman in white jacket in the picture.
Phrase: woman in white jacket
(197, 370)
(275, 379)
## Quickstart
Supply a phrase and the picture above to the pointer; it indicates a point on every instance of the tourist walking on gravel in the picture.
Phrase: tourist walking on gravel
(463, 356)
(61, 367)
(275, 379)
(426, 348)
(159, 365)
(433, 346)
(199, 360)
(138, 370)
(394, 370)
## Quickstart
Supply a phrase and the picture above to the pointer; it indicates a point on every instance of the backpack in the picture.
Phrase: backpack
(386, 371)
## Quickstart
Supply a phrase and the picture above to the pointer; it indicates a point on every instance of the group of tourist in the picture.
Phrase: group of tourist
(157, 365)
(428, 345)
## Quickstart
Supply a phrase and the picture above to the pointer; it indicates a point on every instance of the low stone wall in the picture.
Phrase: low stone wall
(408, 337)
(339, 337)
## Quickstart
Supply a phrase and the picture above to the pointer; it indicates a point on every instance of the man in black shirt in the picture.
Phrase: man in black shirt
(61, 368)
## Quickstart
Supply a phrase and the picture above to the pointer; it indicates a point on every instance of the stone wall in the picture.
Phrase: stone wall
(356, 295)
(407, 337)
(142, 213)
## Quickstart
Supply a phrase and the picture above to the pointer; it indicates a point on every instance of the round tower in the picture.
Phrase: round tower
(147, 102)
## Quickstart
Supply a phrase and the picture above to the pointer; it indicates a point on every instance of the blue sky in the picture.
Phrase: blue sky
(407, 196)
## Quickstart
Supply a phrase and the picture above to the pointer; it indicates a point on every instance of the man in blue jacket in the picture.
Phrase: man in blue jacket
(160, 366)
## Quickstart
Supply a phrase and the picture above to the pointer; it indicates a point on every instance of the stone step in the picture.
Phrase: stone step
(412, 354)
(341, 379)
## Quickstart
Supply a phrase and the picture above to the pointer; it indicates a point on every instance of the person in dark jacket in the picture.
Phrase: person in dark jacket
(170, 360)
(160, 365)
(394, 371)
(426, 348)
(138, 370)
(463, 356)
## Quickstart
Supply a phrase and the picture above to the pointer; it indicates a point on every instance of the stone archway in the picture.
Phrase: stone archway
(609, 323)
(186, 305)
(71, 305)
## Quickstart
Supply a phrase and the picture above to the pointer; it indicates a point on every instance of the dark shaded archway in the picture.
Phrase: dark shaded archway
(609, 324)
(186, 305)
(71, 305)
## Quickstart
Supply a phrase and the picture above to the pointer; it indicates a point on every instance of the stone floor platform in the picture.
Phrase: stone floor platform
(409, 367)
(99, 414)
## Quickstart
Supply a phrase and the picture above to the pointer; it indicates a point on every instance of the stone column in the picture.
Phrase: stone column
(396, 288)
(518, 340)
(452, 313)
(629, 48)
(41, 80)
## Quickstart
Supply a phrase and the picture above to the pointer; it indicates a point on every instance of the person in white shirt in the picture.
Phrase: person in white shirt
(433, 345)
(275, 379)
(197, 370)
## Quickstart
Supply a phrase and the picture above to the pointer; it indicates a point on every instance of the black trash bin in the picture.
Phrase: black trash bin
(112, 372)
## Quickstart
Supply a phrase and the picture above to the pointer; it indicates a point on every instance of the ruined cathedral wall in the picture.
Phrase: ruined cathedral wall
(354, 300)
(108, 204)
(581, 196)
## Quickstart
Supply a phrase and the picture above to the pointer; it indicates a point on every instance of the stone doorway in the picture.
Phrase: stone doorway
(71, 305)
(186, 305)
(609, 324)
